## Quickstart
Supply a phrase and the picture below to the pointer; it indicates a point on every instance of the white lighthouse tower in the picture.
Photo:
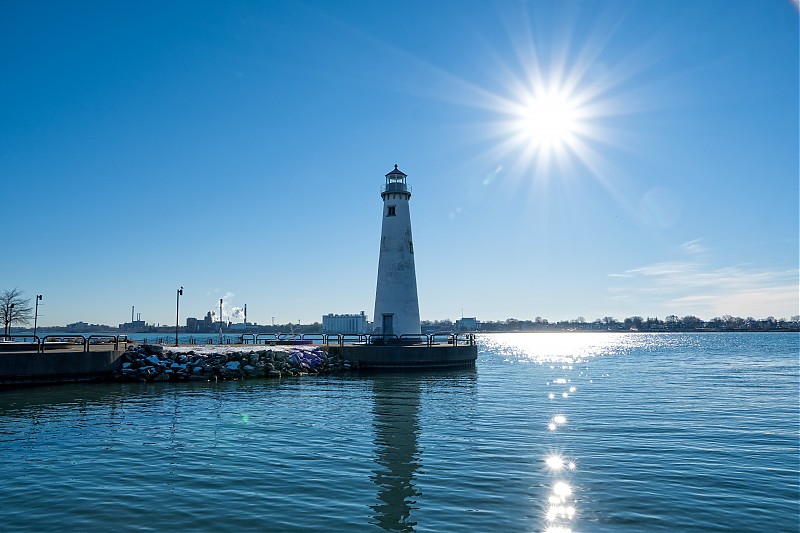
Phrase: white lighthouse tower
(396, 302)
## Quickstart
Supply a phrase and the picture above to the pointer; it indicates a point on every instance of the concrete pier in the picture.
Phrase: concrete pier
(162, 363)
(408, 357)
(57, 366)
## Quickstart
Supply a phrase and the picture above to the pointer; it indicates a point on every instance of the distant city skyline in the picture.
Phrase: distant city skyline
(357, 324)
(239, 320)
(567, 159)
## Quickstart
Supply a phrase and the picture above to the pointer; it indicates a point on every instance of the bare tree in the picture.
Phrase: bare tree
(14, 308)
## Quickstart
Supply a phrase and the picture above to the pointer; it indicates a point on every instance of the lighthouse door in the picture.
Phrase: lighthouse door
(388, 326)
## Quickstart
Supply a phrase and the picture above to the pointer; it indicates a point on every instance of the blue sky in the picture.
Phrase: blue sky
(237, 149)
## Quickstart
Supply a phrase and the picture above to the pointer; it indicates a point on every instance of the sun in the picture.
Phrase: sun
(548, 119)
(547, 109)
(546, 122)
(552, 106)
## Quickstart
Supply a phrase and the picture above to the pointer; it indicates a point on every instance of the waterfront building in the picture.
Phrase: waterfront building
(396, 301)
(205, 325)
(346, 323)
(84, 327)
(133, 326)
(467, 324)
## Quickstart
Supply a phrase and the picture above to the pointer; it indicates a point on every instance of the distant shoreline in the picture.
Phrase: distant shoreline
(632, 324)
(167, 333)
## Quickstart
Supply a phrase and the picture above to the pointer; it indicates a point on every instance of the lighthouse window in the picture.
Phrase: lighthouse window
(390, 211)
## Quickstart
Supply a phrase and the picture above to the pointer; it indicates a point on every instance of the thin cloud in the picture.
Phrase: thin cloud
(693, 247)
(662, 269)
(684, 287)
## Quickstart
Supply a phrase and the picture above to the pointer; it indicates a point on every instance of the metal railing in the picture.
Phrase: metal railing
(265, 338)
(11, 338)
(382, 339)
(60, 338)
(464, 339)
(339, 339)
(350, 338)
(104, 339)
(80, 340)
(455, 339)
(395, 187)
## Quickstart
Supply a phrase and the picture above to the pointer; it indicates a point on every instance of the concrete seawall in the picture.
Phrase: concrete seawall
(411, 357)
(26, 368)
(159, 363)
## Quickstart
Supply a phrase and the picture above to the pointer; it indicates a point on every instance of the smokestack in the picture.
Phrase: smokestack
(132, 313)
(245, 314)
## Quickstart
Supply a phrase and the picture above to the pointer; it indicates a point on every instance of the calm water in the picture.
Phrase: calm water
(552, 432)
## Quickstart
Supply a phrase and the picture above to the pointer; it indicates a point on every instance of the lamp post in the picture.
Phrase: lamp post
(9, 314)
(177, 313)
(36, 314)
(220, 320)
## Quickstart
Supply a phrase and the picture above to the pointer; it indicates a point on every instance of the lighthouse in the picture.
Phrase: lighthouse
(396, 302)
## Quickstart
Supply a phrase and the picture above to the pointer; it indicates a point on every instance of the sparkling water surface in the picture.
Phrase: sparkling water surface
(551, 432)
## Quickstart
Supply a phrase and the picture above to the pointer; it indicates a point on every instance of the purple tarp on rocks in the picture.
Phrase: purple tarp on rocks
(308, 358)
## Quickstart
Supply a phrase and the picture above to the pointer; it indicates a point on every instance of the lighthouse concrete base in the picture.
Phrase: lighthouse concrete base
(405, 357)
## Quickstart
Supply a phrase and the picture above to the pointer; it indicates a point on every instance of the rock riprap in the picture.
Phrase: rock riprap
(200, 363)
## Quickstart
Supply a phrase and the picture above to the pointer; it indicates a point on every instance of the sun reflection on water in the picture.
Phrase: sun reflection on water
(562, 350)
(565, 359)
(557, 462)
(554, 462)
(560, 503)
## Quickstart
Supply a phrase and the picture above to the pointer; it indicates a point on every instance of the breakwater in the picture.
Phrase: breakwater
(27, 367)
(152, 363)
(158, 362)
